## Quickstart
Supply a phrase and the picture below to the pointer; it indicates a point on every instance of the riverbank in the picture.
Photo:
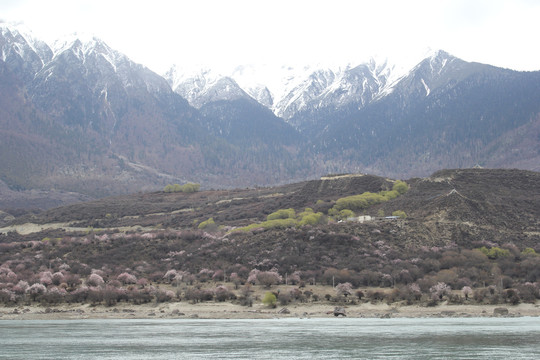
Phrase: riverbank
(225, 310)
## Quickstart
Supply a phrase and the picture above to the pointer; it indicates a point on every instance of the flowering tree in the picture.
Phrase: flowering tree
(235, 280)
(439, 290)
(95, 280)
(170, 275)
(126, 278)
(268, 278)
(219, 275)
(252, 278)
(7, 296)
(142, 282)
(55, 295)
(467, 291)
(222, 293)
(21, 287)
(164, 295)
(344, 289)
(294, 278)
(57, 278)
(45, 278)
(36, 290)
(205, 275)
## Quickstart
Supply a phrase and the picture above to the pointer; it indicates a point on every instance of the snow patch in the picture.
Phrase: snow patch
(426, 87)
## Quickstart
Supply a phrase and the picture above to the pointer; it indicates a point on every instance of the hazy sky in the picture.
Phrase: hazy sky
(159, 33)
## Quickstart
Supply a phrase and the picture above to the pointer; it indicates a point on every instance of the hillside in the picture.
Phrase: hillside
(471, 227)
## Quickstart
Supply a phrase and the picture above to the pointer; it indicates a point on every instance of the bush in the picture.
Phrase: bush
(186, 188)
(529, 251)
(284, 298)
(282, 214)
(367, 199)
(359, 202)
(207, 224)
(190, 187)
(401, 187)
(271, 224)
(400, 213)
(268, 278)
(495, 252)
(311, 219)
(269, 299)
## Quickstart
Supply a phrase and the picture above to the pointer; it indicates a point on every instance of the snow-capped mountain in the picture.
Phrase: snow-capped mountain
(81, 116)
(22, 52)
(204, 86)
(89, 119)
(292, 93)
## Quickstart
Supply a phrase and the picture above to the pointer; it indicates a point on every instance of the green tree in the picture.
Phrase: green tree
(529, 251)
(190, 187)
(400, 213)
(208, 224)
(282, 214)
(269, 299)
(401, 187)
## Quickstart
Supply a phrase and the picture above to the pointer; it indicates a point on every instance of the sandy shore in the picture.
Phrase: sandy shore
(216, 310)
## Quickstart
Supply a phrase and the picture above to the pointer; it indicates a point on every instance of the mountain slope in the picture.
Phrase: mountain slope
(99, 124)
(444, 113)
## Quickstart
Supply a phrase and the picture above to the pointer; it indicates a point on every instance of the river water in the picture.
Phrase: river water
(336, 338)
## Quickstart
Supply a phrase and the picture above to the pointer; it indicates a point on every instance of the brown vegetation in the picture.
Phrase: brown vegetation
(471, 236)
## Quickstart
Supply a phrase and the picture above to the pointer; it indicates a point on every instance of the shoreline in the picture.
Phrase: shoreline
(218, 310)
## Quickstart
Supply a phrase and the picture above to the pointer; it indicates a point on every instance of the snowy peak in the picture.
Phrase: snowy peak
(23, 41)
(433, 72)
(98, 62)
(89, 47)
(287, 90)
(22, 52)
(205, 86)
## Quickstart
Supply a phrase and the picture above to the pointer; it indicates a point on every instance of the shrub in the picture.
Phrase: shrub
(269, 299)
(95, 280)
(36, 290)
(7, 296)
(367, 199)
(401, 187)
(126, 278)
(529, 251)
(190, 188)
(222, 293)
(311, 219)
(359, 202)
(494, 252)
(467, 291)
(164, 295)
(186, 188)
(511, 296)
(400, 213)
(284, 298)
(282, 214)
(440, 289)
(207, 224)
(271, 224)
(268, 278)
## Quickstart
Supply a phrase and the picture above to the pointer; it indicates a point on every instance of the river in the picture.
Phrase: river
(337, 338)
